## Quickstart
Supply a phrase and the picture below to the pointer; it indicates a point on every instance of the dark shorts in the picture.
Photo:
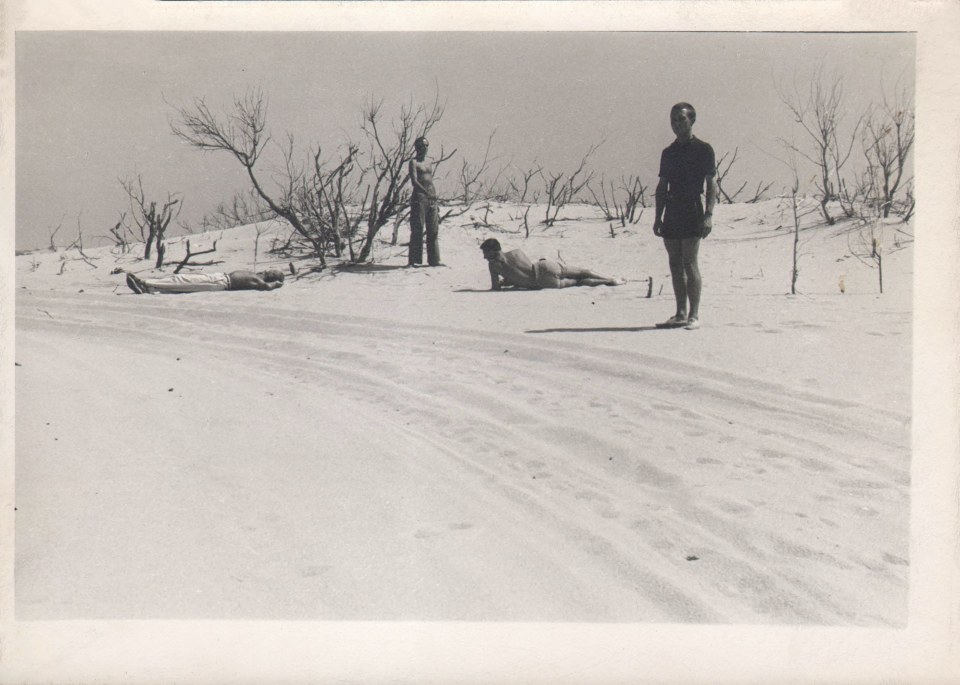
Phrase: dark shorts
(683, 219)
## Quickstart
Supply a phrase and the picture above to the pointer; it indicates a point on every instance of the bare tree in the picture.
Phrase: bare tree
(329, 200)
(608, 205)
(53, 234)
(561, 188)
(721, 175)
(245, 207)
(795, 270)
(470, 185)
(909, 203)
(243, 134)
(635, 201)
(152, 220)
(888, 137)
(120, 234)
(520, 187)
(867, 244)
(77, 245)
(820, 113)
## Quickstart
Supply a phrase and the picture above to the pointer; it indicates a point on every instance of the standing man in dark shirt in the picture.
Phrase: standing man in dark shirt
(424, 212)
(681, 220)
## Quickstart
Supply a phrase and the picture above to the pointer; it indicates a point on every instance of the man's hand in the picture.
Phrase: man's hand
(707, 226)
(658, 228)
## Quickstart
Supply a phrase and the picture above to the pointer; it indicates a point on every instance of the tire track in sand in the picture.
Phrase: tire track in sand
(634, 462)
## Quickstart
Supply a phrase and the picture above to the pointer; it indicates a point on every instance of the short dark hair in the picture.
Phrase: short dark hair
(271, 275)
(687, 106)
(420, 141)
(491, 245)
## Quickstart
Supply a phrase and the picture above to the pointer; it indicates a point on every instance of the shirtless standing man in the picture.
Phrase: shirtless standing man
(423, 208)
(680, 217)
(514, 269)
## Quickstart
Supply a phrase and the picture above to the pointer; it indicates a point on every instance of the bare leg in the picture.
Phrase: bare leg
(675, 254)
(581, 276)
(691, 269)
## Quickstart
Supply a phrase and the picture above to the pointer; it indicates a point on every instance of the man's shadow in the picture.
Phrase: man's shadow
(602, 329)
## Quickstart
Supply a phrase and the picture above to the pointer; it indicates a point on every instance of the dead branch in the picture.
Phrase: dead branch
(190, 255)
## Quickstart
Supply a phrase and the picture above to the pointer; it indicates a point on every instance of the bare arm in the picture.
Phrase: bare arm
(712, 192)
(661, 202)
(260, 284)
(494, 277)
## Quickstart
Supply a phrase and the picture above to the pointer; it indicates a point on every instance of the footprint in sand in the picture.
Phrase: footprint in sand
(894, 559)
(863, 484)
(427, 533)
(734, 508)
(814, 464)
(591, 496)
(609, 513)
(665, 407)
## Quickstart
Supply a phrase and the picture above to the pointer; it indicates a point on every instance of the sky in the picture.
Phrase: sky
(95, 107)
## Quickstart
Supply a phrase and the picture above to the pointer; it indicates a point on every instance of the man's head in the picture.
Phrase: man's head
(682, 118)
(272, 276)
(491, 248)
(421, 143)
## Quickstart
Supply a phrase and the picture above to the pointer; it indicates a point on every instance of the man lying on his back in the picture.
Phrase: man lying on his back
(515, 269)
(195, 283)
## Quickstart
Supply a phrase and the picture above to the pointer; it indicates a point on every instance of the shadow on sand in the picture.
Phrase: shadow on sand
(609, 329)
(367, 268)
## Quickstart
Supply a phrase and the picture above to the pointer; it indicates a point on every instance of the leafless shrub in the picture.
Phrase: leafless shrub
(635, 200)
(626, 210)
(561, 188)
(470, 180)
(152, 221)
(245, 207)
(819, 112)
(521, 186)
(120, 234)
(53, 234)
(721, 175)
(888, 137)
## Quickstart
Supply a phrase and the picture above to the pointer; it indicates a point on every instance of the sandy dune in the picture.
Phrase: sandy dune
(384, 443)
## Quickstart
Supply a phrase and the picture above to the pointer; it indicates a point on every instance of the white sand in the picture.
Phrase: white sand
(384, 443)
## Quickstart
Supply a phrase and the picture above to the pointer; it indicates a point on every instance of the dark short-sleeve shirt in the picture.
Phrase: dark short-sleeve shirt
(685, 167)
